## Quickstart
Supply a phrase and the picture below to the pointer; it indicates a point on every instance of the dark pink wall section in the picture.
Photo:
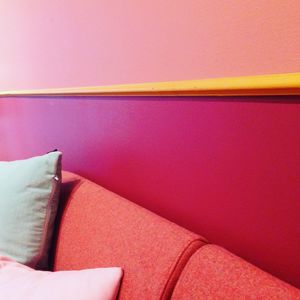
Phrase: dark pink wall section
(77, 43)
(226, 168)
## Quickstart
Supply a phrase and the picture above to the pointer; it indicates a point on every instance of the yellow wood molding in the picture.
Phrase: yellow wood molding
(273, 84)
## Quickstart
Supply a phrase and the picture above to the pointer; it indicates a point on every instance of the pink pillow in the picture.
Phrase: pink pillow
(20, 282)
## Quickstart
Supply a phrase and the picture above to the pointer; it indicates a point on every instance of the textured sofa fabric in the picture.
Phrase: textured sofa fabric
(98, 228)
(214, 273)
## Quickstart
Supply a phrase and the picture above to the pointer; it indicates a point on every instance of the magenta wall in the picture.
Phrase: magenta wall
(226, 168)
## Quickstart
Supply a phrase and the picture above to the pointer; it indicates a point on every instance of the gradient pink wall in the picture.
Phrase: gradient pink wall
(73, 43)
(226, 168)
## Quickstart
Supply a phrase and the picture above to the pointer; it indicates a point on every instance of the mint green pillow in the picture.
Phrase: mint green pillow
(29, 192)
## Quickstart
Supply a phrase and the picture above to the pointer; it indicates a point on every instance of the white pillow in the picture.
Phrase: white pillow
(20, 282)
(29, 191)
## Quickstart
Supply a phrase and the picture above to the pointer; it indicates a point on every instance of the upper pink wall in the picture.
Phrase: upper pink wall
(75, 43)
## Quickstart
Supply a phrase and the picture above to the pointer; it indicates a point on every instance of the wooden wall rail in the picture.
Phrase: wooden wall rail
(274, 84)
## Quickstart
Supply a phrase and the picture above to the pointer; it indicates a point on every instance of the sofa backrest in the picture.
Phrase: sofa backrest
(214, 273)
(97, 228)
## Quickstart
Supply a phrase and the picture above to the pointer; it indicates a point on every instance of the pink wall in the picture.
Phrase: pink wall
(228, 169)
(73, 43)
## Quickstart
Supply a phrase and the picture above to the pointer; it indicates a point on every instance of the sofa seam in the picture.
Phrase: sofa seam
(177, 263)
(200, 249)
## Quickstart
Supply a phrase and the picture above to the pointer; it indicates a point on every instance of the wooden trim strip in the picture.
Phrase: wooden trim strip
(274, 84)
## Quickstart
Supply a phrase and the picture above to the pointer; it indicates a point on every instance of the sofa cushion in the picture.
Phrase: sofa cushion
(99, 228)
(29, 191)
(20, 282)
(214, 273)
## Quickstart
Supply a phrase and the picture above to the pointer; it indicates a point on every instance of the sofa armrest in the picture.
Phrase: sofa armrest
(214, 273)
(97, 228)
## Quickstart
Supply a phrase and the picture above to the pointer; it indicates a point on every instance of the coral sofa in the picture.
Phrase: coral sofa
(161, 260)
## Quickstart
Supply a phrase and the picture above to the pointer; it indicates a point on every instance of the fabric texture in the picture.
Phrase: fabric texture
(214, 273)
(98, 228)
(21, 282)
(29, 194)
